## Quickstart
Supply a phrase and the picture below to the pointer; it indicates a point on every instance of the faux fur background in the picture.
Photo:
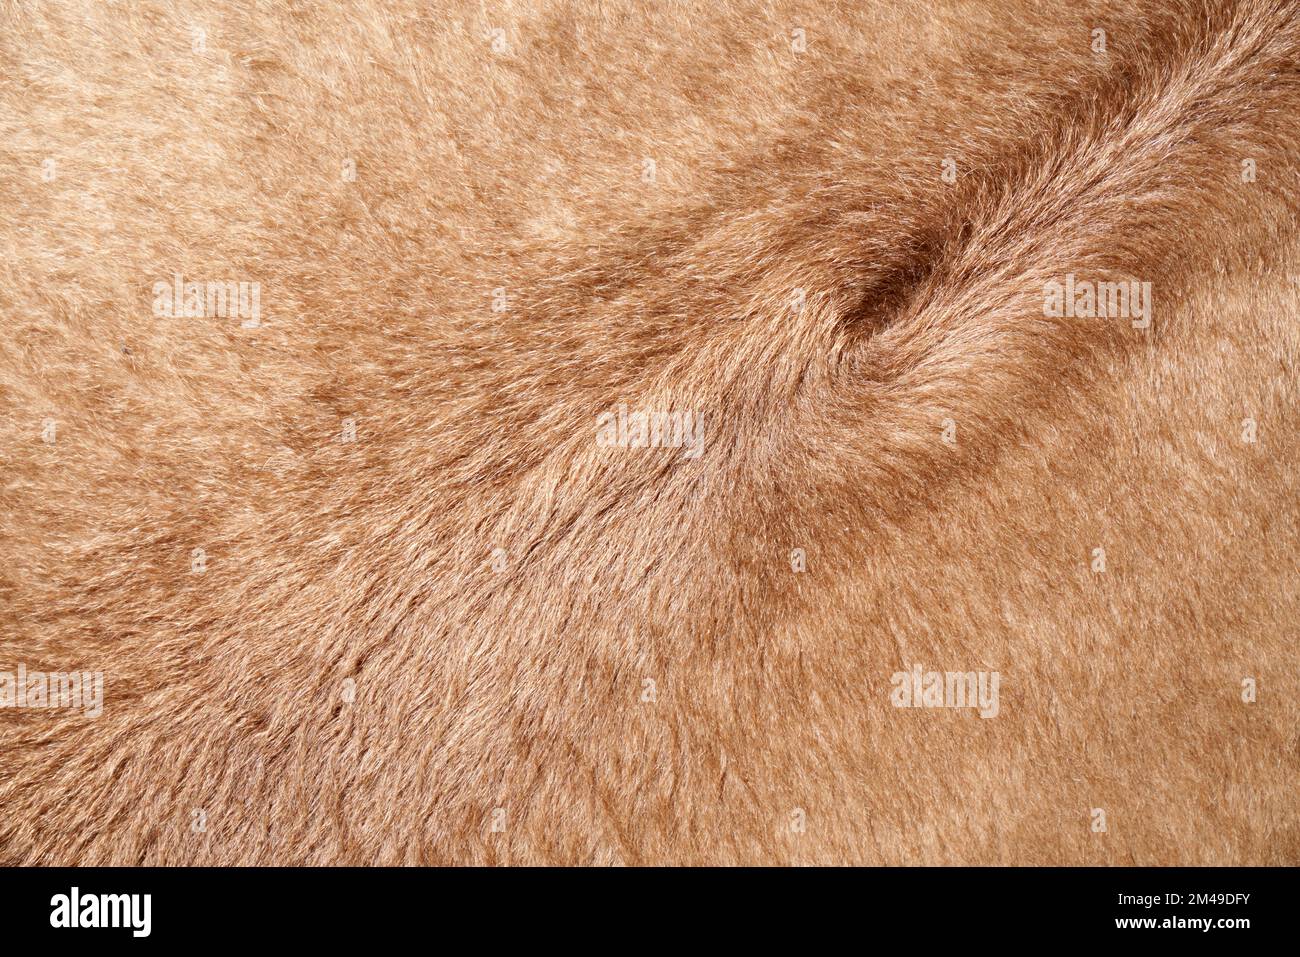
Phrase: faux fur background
(474, 634)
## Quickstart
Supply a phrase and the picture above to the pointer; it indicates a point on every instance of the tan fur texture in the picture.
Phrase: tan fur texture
(477, 635)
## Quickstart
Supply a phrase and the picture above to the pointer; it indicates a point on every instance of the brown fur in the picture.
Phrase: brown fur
(525, 688)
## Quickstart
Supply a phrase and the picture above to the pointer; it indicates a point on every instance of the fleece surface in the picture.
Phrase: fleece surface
(378, 561)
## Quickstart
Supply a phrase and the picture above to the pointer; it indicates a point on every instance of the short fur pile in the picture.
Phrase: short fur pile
(475, 635)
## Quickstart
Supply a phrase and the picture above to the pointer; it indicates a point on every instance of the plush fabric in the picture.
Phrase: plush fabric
(380, 563)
